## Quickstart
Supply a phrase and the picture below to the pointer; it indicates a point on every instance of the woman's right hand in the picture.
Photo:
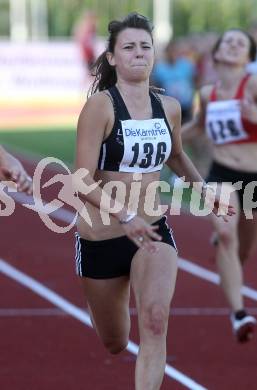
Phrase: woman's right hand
(142, 233)
(12, 170)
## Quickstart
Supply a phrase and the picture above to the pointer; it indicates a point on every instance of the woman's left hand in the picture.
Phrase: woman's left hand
(142, 233)
(219, 208)
(223, 210)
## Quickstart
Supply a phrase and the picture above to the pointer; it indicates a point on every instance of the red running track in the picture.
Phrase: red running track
(44, 348)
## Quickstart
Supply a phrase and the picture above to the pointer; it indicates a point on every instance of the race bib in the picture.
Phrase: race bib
(224, 123)
(147, 145)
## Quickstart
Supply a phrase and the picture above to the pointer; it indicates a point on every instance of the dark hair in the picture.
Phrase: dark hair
(104, 73)
(252, 48)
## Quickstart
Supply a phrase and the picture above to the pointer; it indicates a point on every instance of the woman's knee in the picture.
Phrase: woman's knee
(227, 237)
(115, 345)
(155, 318)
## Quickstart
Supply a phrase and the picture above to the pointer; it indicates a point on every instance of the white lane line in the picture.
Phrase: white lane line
(175, 312)
(211, 276)
(200, 311)
(67, 216)
(82, 316)
(31, 312)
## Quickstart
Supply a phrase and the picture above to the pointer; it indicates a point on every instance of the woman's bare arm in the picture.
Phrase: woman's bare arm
(249, 103)
(195, 127)
(95, 118)
(181, 164)
(178, 161)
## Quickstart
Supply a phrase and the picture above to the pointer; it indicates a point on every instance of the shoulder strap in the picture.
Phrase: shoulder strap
(119, 105)
(213, 95)
(157, 107)
(240, 91)
(121, 111)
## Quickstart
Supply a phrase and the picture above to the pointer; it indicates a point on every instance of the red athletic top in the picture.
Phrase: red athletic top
(249, 127)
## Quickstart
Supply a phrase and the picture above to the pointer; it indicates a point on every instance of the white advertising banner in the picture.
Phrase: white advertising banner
(45, 76)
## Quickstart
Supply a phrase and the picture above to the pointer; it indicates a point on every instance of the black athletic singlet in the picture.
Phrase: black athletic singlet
(136, 145)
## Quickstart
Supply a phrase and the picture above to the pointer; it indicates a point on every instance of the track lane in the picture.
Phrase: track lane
(48, 269)
(203, 347)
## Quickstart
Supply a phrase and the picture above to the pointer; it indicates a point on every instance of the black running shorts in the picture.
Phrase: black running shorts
(220, 173)
(112, 258)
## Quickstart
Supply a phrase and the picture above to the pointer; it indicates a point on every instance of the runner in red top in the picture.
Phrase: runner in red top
(228, 113)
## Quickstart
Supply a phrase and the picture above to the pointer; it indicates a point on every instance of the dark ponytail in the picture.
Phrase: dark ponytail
(104, 73)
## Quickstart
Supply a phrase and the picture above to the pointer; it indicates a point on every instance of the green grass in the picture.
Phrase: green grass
(56, 143)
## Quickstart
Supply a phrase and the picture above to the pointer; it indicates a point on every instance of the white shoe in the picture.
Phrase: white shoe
(243, 328)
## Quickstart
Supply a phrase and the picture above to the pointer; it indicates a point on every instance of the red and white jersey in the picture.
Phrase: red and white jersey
(224, 123)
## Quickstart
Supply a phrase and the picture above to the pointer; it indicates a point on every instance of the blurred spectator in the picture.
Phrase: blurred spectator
(176, 74)
(200, 148)
(85, 34)
(202, 45)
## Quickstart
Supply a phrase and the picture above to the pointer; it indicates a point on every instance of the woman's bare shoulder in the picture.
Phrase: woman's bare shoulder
(96, 113)
(99, 101)
(205, 92)
(170, 104)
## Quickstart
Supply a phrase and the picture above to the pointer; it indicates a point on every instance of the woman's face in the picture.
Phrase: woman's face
(233, 49)
(133, 55)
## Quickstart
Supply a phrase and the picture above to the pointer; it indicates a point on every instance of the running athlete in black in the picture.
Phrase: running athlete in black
(126, 133)
(132, 146)
(229, 116)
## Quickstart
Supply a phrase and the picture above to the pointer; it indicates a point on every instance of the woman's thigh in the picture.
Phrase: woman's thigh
(108, 301)
(247, 236)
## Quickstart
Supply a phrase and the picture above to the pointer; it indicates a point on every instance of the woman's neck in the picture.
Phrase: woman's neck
(134, 92)
(229, 76)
